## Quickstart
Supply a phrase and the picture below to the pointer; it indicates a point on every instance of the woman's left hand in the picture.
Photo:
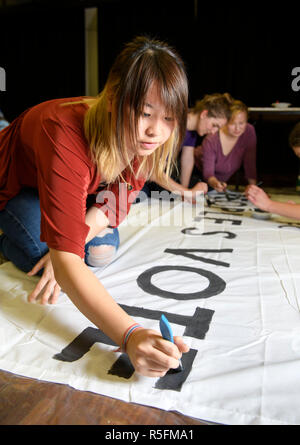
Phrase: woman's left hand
(200, 187)
(47, 288)
(258, 197)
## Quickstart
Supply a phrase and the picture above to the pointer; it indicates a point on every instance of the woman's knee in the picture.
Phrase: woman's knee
(21, 220)
(101, 250)
(14, 253)
(100, 256)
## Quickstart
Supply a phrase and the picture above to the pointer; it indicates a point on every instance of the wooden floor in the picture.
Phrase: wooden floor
(26, 401)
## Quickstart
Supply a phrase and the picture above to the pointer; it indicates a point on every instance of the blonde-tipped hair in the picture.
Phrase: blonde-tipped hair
(143, 62)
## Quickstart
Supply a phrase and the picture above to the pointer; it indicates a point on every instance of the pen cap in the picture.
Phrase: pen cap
(165, 329)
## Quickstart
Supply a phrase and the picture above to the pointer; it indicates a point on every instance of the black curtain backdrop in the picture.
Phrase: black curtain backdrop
(247, 49)
(42, 52)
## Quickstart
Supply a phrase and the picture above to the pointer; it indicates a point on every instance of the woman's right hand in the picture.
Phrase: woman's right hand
(47, 288)
(151, 355)
(217, 185)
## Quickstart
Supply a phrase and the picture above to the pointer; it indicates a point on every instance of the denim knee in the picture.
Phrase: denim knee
(20, 222)
(100, 251)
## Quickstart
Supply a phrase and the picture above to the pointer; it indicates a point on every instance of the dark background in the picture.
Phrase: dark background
(247, 49)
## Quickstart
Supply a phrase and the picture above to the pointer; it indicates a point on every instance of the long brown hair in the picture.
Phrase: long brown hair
(142, 62)
(217, 105)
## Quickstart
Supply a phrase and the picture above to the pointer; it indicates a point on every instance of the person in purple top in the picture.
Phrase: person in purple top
(207, 117)
(224, 152)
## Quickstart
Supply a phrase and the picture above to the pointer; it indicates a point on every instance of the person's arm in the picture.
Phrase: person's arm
(97, 221)
(249, 160)
(261, 200)
(210, 147)
(178, 189)
(149, 353)
(285, 209)
(186, 165)
(88, 294)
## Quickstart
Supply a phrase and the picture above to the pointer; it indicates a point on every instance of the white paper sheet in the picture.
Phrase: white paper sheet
(235, 301)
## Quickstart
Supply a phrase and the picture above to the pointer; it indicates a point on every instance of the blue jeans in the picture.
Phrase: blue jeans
(20, 242)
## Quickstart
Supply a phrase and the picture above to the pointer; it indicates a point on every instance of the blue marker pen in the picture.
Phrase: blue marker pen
(167, 334)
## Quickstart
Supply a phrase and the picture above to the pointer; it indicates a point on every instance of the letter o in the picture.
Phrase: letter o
(215, 287)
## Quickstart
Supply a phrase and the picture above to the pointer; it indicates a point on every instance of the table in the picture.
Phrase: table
(272, 113)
